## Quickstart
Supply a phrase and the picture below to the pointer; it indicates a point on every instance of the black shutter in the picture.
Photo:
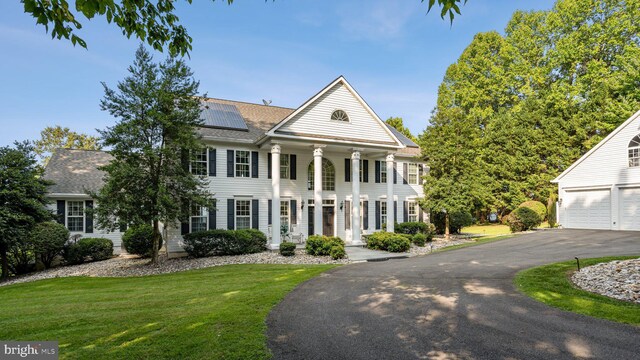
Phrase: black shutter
(294, 212)
(365, 171)
(405, 173)
(231, 208)
(184, 228)
(88, 218)
(254, 164)
(230, 163)
(377, 169)
(184, 160)
(378, 225)
(395, 212)
(212, 162)
(347, 214)
(269, 211)
(212, 218)
(61, 212)
(269, 160)
(292, 167)
(255, 209)
(405, 215)
(365, 215)
(420, 173)
(347, 170)
(395, 174)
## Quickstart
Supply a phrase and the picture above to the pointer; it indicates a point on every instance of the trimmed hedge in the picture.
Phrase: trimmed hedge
(287, 248)
(387, 241)
(320, 245)
(138, 240)
(411, 228)
(48, 239)
(88, 249)
(224, 242)
(523, 219)
(419, 239)
(536, 206)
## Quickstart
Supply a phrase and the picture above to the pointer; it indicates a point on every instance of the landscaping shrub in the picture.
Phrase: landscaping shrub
(457, 220)
(138, 240)
(287, 248)
(320, 245)
(48, 239)
(551, 211)
(88, 249)
(536, 206)
(21, 257)
(337, 252)
(224, 242)
(411, 228)
(387, 241)
(420, 239)
(431, 232)
(522, 219)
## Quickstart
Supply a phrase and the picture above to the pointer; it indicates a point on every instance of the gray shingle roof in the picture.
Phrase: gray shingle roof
(76, 171)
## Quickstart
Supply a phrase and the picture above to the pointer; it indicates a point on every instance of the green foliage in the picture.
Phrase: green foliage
(148, 180)
(22, 259)
(57, 137)
(411, 228)
(138, 240)
(88, 249)
(224, 242)
(551, 210)
(387, 241)
(320, 245)
(48, 239)
(287, 248)
(397, 124)
(337, 252)
(22, 198)
(523, 219)
(457, 221)
(419, 239)
(536, 206)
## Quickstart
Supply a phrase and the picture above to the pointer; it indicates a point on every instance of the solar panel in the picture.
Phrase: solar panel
(223, 116)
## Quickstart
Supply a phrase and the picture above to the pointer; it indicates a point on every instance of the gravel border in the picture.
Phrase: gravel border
(437, 243)
(618, 279)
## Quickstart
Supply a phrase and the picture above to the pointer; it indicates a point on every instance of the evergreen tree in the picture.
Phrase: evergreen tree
(396, 123)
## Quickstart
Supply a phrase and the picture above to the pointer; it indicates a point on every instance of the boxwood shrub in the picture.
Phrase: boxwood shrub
(48, 239)
(419, 239)
(523, 219)
(224, 242)
(536, 206)
(320, 245)
(88, 249)
(387, 241)
(138, 240)
(287, 248)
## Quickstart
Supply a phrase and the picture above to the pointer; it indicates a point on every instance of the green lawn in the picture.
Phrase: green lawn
(550, 284)
(211, 313)
(486, 230)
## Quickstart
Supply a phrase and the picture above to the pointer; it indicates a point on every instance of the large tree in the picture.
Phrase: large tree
(147, 182)
(155, 23)
(56, 137)
(396, 123)
(22, 197)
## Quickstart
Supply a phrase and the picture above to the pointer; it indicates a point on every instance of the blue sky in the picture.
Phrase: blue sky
(392, 52)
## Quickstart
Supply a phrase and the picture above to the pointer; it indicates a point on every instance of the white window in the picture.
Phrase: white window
(198, 219)
(383, 212)
(361, 170)
(634, 152)
(284, 166)
(242, 163)
(383, 172)
(284, 214)
(75, 216)
(328, 175)
(413, 211)
(413, 173)
(340, 115)
(243, 214)
(199, 162)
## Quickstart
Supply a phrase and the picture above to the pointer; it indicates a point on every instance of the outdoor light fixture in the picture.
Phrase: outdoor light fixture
(341, 204)
(302, 206)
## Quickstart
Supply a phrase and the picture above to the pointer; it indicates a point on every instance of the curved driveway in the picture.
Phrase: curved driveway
(459, 304)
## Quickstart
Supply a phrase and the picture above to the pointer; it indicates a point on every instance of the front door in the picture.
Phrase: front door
(327, 220)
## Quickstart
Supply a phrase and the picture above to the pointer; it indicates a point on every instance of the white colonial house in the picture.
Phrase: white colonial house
(602, 189)
(331, 166)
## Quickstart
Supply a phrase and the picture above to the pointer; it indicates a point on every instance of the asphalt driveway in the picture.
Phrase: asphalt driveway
(459, 304)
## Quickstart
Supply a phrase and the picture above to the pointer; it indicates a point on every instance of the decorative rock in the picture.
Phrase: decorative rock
(616, 279)
(436, 244)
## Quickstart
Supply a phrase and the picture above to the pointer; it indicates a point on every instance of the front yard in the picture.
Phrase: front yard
(201, 314)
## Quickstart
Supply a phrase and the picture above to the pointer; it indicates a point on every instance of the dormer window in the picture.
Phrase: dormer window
(634, 152)
(340, 115)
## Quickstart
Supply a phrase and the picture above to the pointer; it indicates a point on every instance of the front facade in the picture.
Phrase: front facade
(331, 167)
(602, 189)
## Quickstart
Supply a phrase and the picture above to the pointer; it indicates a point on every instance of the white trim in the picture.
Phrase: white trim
(591, 187)
(598, 146)
(336, 141)
(84, 216)
(85, 196)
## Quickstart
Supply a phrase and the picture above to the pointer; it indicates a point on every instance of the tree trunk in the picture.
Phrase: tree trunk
(5, 263)
(156, 242)
(446, 225)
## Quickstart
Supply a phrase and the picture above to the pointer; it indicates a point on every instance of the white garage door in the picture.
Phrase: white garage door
(630, 209)
(588, 209)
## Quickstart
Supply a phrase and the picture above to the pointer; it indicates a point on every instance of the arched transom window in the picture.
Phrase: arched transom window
(340, 115)
(328, 175)
(634, 151)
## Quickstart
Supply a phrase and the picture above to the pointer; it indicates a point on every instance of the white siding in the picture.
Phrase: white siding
(227, 187)
(316, 118)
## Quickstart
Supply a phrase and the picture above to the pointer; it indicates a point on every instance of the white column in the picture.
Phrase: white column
(390, 213)
(275, 199)
(355, 199)
(317, 191)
